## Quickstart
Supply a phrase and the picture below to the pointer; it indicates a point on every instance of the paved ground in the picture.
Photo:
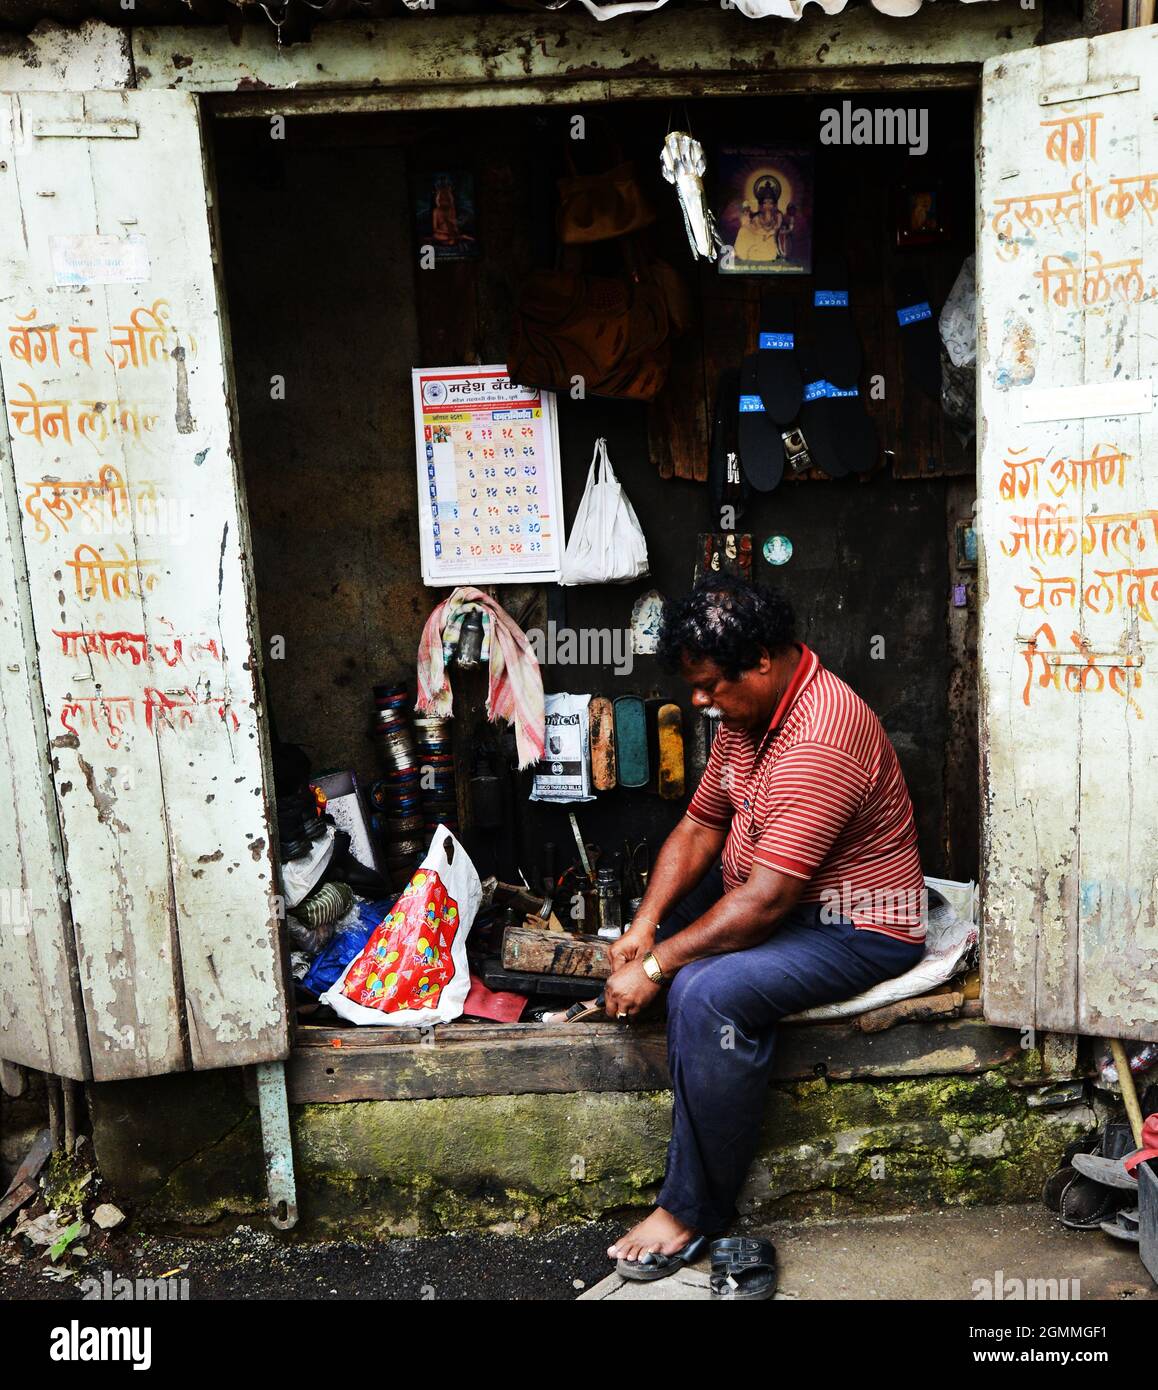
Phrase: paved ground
(937, 1255)
(254, 1261)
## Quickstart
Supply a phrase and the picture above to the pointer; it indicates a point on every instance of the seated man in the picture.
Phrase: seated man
(793, 880)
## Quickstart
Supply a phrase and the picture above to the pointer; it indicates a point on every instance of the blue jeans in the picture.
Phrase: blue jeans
(721, 1033)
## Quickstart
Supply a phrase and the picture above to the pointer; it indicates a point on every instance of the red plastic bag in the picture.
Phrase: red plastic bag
(413, 969)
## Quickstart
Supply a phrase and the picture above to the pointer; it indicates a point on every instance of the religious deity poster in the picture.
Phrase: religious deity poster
(489, 491)
(764, 209)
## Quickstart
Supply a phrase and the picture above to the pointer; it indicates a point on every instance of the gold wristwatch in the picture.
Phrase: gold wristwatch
(652, 969)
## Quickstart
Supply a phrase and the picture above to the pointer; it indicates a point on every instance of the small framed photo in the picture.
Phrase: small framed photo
(965, 537)
(445, 215)
(764, 210)
(922, 217)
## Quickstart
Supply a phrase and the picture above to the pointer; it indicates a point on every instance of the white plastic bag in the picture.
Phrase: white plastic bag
(606, 544)
(413, 970)
(950, 935)
(958, 321)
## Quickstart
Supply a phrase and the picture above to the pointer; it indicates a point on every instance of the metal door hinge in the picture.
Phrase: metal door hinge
(1107, 87)
(85, 130)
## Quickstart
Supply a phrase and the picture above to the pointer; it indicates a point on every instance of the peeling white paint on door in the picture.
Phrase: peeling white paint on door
(41, 1023)
(132, 526)
(1068, 283)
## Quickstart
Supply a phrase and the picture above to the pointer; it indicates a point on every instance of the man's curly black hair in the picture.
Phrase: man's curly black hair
(728, 621)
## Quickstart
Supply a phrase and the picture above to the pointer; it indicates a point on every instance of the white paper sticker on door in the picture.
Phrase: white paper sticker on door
(99, 260)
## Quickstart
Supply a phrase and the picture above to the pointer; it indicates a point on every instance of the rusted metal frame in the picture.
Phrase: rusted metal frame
(498, 51)
(277, 1143)
(546, 92)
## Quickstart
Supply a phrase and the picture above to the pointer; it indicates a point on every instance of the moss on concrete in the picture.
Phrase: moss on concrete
(68, 1181)
(482, 1160)
(890, 1146)
(517, 1162)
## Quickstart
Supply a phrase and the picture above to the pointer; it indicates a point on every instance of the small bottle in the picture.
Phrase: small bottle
(470, 641)
(609, 905)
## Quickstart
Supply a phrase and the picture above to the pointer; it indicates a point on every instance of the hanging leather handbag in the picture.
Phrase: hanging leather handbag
(610, 333)
(598, 207)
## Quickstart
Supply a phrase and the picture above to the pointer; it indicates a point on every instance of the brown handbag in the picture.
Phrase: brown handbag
(597, 207)
(612, 333)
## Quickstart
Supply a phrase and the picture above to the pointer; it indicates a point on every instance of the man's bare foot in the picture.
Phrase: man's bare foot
(660, 1232)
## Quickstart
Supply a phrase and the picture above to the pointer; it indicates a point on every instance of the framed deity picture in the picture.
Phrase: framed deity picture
(445, 215)
(764, 209)
(921, 214)
(490, 505)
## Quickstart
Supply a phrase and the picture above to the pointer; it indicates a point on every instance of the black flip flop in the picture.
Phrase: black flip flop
(743, 1268)
(841, 437)
(816, 420)
(777, 373)
(653, 1265)
(837, 344)
(920, 341)
(724, 459)
(761, 448)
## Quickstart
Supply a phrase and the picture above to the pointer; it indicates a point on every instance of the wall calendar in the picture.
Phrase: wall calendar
(489, 492)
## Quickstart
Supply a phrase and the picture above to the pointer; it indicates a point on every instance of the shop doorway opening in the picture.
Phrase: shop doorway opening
(330, 308)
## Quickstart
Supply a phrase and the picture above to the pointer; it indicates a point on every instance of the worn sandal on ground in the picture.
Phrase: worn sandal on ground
(1110, 1172)
(743, 1267)
(653, 1265)
(1125, 1226)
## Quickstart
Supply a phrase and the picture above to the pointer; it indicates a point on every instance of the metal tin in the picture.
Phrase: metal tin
(400, 769)
(404, 849)
(398, 752)
(401, 827)
(397, 799)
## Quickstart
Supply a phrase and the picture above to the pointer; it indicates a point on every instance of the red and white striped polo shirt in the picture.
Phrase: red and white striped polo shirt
(821, 797)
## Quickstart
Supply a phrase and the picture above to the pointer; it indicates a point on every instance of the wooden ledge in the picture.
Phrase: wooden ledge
(480, 1059)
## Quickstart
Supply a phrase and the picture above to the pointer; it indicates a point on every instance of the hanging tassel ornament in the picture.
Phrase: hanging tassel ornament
(683, 164)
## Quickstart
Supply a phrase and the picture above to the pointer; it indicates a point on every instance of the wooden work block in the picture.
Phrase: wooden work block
(548, 953)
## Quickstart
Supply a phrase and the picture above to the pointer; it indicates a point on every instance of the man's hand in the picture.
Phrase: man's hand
(628, 991)
(632, 945)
